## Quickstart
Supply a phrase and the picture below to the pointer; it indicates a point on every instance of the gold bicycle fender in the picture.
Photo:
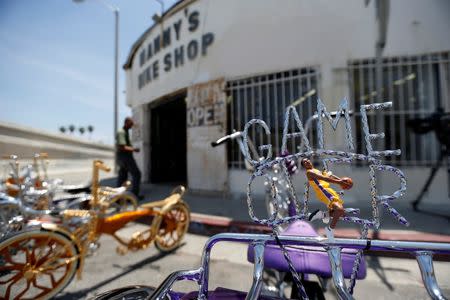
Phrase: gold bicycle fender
(163, 203)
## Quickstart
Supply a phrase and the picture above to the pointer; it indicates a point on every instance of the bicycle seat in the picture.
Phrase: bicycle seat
(112, 190)
(224, 293)
(76, 188)
(307, 259)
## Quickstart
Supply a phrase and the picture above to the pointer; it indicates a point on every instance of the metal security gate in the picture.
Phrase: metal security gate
(266, 97)
(417, 85)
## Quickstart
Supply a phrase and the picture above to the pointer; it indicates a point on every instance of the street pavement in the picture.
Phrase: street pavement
(387, 278)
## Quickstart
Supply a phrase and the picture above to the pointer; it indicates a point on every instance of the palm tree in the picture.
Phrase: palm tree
(90, 128)
(71, 128)
(62, 129)
(81, 130)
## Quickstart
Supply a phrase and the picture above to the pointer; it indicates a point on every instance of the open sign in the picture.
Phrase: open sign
(207, 115)
(206, 104)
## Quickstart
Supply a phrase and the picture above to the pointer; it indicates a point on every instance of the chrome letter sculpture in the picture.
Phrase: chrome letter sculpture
(336, 210)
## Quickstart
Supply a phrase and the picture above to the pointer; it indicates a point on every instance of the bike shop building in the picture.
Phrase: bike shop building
(206, 67)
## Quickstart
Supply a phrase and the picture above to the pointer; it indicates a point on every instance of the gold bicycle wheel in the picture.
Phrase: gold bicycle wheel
(36, 264)
(174, 225)
(121, 203)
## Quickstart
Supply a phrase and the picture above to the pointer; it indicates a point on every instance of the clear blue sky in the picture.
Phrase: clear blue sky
(57, 61)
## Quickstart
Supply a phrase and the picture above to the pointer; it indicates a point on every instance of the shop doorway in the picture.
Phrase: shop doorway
(168, 141)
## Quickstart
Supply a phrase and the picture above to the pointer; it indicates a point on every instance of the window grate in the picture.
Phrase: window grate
(417, 86)
(266, 97)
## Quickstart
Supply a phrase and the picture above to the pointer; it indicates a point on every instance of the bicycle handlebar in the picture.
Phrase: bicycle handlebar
(11, 156)
(226, 138)
(45, 212)
(36, 155)
(7, 200)
(41, 155)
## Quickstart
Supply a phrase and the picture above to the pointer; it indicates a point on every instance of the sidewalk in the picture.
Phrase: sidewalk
(213, 213)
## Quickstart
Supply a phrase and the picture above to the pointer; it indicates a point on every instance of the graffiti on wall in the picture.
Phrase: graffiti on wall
(206, 104)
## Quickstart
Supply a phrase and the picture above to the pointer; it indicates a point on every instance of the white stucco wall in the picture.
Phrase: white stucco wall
(262, 36)
(255, 36)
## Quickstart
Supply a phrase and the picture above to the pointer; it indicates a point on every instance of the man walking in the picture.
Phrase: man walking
(125, 159)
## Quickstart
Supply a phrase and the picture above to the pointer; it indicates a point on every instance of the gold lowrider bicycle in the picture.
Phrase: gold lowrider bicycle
(39, 261)
(26, 196)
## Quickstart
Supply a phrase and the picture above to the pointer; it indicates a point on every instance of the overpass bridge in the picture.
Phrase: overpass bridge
(24, 141)
(70, 157)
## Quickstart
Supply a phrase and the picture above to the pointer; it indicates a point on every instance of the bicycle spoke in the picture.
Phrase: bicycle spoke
(8, 289)
(66, 262)
(13, 267)
(42, 249)
(27, 255)
(10, 279)
(24, 291)
(43, 288)
(52, 278)
(42, 259)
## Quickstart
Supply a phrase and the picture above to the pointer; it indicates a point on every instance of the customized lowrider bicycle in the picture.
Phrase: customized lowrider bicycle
(35, 176)
(35, 195)
(289, 251)
(40, 260)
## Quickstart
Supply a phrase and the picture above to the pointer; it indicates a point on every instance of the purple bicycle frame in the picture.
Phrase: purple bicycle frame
(423, 252)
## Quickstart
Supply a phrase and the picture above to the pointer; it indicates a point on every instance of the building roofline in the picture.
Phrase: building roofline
(180, 4)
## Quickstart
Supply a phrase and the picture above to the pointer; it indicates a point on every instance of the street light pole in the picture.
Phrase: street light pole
(158, 19)
(116, 80)
(161, 2)
(115, 10)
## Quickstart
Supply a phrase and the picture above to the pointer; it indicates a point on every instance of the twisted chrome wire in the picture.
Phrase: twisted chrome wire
(292, 193)
(373, 196)
(305, 198)
(339, 156)
(343, 109)
(294, 273)
(357, 262)
(373, 158)
(301, 131)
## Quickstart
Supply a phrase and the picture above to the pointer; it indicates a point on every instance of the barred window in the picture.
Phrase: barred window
(417, 86)
(266, 97)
